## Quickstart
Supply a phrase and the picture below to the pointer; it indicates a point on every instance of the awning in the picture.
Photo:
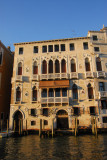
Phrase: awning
(54, 84)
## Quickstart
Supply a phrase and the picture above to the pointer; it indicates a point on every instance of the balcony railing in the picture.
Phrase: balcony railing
(35, 77)
(89, 74)
(73, 75)
(54, 76)
(55, 100)
(100, 74)
(18, 77)
(102, 94)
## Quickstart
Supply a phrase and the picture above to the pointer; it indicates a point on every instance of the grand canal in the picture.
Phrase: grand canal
(31, 147)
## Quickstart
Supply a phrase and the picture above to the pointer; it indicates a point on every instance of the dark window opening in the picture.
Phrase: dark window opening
(35, 68)
(72, 47)
(96, 49)
(75, 91)
(104, 119)
(92, 110)
(44, 93)
(44, 67)
(44, 49)
(63, 66)
(56, 48)
(101, 86)
(50, 66)
(50, 48)
(0, 58)
(18, 94)
(45, 112)
(87, 64)
(62, 47)
(104, 104)
(33, 112)
(51, 93)
(90, 92)
(57, 67)
(20, 50)
(20, 68)
(35, 49)
(45, 122)
(64, 92)
(34, 94)
(85, 45)
(73, 66)
(57, 92)
(95, 38)
(98, 64)
(76, 111)
(33, 123)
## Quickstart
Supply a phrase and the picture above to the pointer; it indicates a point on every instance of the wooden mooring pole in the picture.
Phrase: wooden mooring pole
(19, 128)
(14, 125)
(26, 127)
(7, 127)
(75, 126)
(1, 125)
(40, 128)
(52, 127)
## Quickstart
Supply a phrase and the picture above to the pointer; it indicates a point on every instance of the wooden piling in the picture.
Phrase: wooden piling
(14, 125)
(52, 127)
(96, 126)
(7, 127)
(75, 126)
(26, 127)
(40, 128)
(19, 126)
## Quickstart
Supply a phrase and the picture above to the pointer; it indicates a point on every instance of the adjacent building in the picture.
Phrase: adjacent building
(58, 80)
(6, 68)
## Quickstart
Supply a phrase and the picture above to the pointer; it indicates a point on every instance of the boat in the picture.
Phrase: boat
(5, 134)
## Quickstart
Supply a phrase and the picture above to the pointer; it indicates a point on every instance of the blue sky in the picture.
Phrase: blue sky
(35, 20)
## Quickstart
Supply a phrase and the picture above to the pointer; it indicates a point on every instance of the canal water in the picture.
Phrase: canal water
(31, 147)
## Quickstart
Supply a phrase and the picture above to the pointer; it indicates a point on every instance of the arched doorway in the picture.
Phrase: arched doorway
(17, 117)
(62, 119)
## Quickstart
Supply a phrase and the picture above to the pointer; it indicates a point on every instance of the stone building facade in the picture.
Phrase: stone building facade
(6, 68)
(58, 80)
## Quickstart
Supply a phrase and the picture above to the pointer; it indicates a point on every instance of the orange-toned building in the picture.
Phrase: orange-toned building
(6, 69)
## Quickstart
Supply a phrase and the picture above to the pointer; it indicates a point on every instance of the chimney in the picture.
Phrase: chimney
(8, 47)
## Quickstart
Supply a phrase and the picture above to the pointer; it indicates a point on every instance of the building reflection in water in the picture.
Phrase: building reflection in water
(64, 147)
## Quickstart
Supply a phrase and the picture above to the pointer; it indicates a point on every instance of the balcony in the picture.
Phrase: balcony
(55, 100)
(102, 94)
(101, 74)
(18, 77)
(89, 74)
(35, 77)
(74, 75)
(54, 76)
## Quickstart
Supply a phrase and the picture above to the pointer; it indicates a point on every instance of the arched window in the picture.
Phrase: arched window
(75, 91)
(57, 67)
(34, 94)
(90, 91)
(44, 67)
(18, 94)
(35, 68)
(50, 66)
(20, 68)
(98, 64)
(73, 66)
(63, 66)
(87, 64)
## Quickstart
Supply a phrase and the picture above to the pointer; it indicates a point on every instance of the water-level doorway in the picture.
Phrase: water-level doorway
(62, 119)
(17, 119)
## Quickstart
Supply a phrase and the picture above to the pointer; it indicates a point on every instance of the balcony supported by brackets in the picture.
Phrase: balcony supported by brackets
(54, 92)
